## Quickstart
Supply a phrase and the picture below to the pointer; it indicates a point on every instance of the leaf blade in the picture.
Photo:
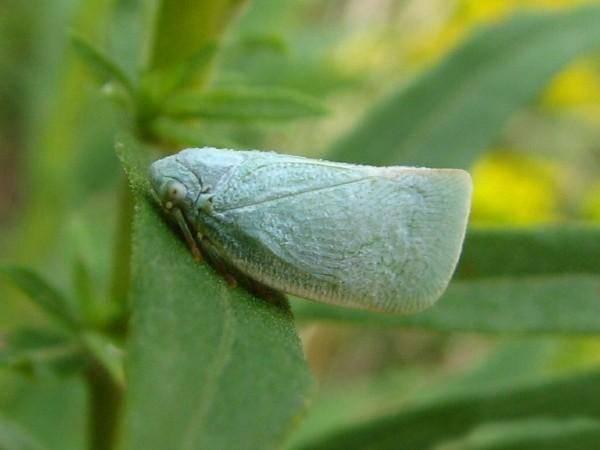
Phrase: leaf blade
(49, 299)
(452, 113)
(504, 252)
(549, 434)
(203, 346)
(103, 68)
(565, 304)
(449, 415)
(245, 104)
(30, 349)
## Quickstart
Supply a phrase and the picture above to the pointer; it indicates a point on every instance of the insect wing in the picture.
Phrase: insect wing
(375, 238)
(265, 177)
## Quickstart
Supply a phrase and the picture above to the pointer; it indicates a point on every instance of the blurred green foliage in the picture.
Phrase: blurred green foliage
(113, 341)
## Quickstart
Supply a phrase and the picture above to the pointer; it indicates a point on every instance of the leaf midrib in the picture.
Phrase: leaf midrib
(197, 420)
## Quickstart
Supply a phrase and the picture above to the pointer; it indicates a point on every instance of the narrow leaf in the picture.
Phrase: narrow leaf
(84, 289)
(350, 402)
(448, 416)
(530, 251)
(208, 366)
(30, 348)
(535, 433)
(103, 68)
(261, 42)
(448, 116)
(49, 299)
(183, 135)
(566, 304)
(245, 104)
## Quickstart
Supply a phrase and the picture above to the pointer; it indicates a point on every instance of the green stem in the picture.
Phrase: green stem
(105, 396)
(186, 35)
(106, 400)
(185, 26)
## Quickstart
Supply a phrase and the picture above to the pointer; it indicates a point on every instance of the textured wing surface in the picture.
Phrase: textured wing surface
(375, 238)
(265, 176)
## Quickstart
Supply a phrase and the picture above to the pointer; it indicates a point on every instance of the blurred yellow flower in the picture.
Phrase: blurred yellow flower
(477, 11)
(514, 189)
(577, 86)
(363, 52)
(470, 13)
(426, 40)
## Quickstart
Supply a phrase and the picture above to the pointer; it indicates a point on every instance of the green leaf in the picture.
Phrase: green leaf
(14, 437)
(448, 416)
(263, 42)
(515, 359)
(183, 28)
(448, 116)
(49, 299)
(559, 304)
(32, 348)
(534, 433)
(566, 304)
(83, 288)
(341, 405)
(209, 366)
(103, 68)
(244, 104)
(135, 162)
(530, 251)
(183, 135)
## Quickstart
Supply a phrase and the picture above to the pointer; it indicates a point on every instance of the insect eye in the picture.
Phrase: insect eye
(174, 193)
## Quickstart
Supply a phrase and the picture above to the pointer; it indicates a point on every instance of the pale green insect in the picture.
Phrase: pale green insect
(378, 238)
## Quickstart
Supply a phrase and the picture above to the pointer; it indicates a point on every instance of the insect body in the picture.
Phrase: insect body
(379, 238)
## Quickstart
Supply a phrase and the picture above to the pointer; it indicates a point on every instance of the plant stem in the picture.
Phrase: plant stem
(185, 26)
(105, 400)
(105, 396)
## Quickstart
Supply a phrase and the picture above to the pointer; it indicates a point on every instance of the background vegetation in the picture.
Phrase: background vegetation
(93, 285)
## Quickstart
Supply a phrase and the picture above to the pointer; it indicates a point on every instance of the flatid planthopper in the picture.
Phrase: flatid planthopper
(377, 238)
